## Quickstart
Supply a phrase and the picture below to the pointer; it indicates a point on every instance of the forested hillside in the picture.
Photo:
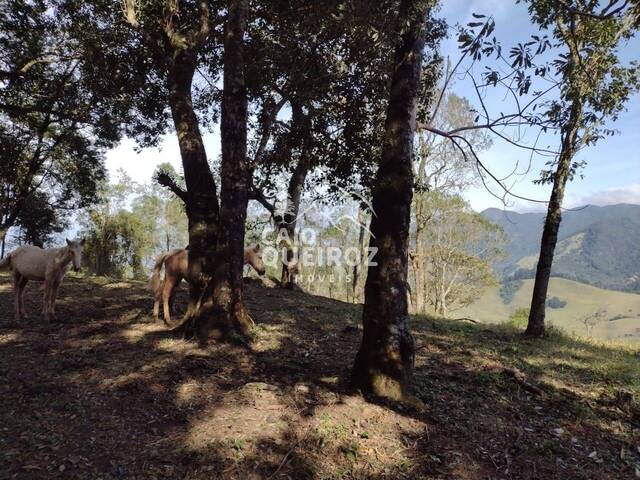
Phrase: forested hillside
(597, 245)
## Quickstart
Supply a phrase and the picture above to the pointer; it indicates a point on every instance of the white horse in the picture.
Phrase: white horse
(49, 266)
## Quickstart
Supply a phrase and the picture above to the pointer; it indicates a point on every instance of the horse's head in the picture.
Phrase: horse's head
(253, 256)
(75, 248)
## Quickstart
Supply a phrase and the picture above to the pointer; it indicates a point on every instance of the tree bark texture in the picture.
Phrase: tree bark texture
(384, 362)
(229, 312)
(202, 201)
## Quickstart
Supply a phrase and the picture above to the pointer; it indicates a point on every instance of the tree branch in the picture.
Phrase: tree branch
(603, 15)
(164, 179)
(259, 196)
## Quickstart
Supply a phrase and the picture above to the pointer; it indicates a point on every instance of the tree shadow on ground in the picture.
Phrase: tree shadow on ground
(110, 394)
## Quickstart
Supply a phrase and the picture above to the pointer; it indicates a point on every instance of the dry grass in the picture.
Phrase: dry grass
(621, 320)
(108, 394)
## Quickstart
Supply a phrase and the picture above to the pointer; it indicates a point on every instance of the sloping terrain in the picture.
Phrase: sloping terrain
(108, 394)
(619, 312)
(598, 245)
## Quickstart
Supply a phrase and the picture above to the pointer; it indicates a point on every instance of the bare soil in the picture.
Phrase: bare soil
(107, 393)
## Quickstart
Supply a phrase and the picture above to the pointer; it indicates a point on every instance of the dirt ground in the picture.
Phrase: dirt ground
(107, 393)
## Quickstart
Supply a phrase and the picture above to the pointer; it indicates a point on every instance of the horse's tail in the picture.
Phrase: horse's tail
(154, 281)
(5, 263)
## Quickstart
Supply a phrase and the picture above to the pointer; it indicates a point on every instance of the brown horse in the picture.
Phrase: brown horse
(49, 266)
(176, 266)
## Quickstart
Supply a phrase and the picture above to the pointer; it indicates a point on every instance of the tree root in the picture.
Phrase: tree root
(521, 380)
(464, 319)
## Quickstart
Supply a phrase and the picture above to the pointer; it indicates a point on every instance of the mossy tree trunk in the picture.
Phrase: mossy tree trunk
(226, 312)
(201, 200)
(384, 362)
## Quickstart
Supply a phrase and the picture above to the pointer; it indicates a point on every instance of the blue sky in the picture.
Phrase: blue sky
(612, 174)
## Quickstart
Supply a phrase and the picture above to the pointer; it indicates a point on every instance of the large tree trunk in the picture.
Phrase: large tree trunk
(229, 312)
(202, 202)
(536, 325)
(384, 363)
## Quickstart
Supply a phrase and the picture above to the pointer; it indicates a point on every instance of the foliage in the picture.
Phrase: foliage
(441, 168)
(38, 220)
(508, 289)
(129, 227)
(589, 68)
(53, 125)
(439, 164)
(555, 302)
(519, 318)
(461, 247)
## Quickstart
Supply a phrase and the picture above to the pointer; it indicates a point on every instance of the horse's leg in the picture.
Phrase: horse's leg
(157, 298)
(16, 296)
(23, 284)
(55, 285)
(172, 298)
(45, 300)
(167, 288)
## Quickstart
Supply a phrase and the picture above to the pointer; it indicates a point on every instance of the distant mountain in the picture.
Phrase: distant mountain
(597, 245)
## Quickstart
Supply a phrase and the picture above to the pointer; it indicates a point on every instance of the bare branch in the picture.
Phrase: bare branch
(458, 140)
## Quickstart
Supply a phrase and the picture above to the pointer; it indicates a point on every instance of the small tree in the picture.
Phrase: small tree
(118, 239)
(460, 248)
(440, 167)
(38, 220)
(594, 88)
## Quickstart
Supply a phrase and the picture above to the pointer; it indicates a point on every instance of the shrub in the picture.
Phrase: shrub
(508, 289)
(519, 318)
(555, 302)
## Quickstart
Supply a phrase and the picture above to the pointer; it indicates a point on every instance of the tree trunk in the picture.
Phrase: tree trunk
(421, 254)
(202, 202)
(362, 257)
(536, 324)
(384, 363)
(442, 298)
(420, 276)
(228, 309)
(290, 217)
(300, 129)
(412, 289)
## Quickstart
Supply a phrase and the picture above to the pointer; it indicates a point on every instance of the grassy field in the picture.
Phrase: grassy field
(620, 319)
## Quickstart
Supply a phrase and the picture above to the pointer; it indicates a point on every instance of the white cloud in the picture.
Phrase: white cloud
(608, 196)
(141, 165)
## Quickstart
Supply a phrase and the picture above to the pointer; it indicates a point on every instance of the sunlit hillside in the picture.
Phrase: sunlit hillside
(619, 311)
